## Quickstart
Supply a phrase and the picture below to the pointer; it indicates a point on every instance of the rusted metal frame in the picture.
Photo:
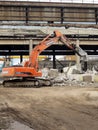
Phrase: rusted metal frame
(84, 8)
(96, 15)
(79, 18)
(46, 11)
(59, 7)
(44, 53)
(81, 12)
(31, 9)
(32, 6)
(63, 12)
(78, 12)
(12, 10)
(62, 15)
(43, 17)
(26, 15)
(48, 17)
(12, 16)
(52, 6)
(39, 7)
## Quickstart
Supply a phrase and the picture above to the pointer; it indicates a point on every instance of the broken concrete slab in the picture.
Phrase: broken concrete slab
(87, 78)
(53, 73)
(45, 72)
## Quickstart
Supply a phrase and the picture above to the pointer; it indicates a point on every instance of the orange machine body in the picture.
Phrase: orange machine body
(20, 72)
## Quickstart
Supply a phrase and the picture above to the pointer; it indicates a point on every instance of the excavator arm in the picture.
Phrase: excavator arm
(48, 41)
(45, 43)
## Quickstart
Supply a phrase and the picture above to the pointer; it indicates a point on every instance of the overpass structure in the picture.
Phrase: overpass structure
(25, 24)
(38, 13)
(18, 41)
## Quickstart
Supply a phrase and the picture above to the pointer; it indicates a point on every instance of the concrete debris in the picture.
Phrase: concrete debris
(71, 70)
(76, 77)
(45, 72)
(61, 78)
(70, 76)
(75, 71)
(53, 73)
(87, 78)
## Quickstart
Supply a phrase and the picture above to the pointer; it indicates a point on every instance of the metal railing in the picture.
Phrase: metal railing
(65, 1)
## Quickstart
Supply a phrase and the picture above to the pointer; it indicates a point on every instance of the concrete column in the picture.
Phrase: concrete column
(78, 64)
(7, 62)
(54, 62)
(21, 58)
(30, 46)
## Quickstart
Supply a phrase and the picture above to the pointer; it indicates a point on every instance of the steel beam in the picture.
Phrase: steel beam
(54, 62)
(96, 15)
(62, 15)
(27, 15)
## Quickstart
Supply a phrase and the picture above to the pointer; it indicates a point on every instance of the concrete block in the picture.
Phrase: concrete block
(53, 73)
(45, 72)
(75, 71)
(77, 77)
(95, 78)
(87, 78)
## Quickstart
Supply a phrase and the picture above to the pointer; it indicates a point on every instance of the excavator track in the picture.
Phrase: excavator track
(35, 83)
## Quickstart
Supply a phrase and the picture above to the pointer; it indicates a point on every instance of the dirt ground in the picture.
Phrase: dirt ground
(52, 108)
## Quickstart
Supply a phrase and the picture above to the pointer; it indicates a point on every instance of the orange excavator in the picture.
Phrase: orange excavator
(29, 74)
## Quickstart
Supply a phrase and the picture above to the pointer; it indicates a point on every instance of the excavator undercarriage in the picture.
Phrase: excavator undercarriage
(27, 82)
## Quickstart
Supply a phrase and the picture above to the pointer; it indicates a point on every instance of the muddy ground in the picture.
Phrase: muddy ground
(54, 108)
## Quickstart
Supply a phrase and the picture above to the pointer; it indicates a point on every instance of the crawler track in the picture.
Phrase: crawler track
(34, 83)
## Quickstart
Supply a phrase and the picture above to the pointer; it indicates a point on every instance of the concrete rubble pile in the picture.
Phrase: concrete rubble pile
(71, 76)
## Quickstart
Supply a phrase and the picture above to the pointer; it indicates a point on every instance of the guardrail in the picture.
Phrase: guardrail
(62, 1)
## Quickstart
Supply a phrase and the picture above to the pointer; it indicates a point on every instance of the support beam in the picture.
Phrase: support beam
(96, 19)
(30, 46)
(54, 62)
(21, 58)
(62, 15)
(26, 13)
(78, 58)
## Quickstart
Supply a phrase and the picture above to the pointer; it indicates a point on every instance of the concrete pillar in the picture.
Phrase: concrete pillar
(7, 62)
(30, 46)
(78, 64)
